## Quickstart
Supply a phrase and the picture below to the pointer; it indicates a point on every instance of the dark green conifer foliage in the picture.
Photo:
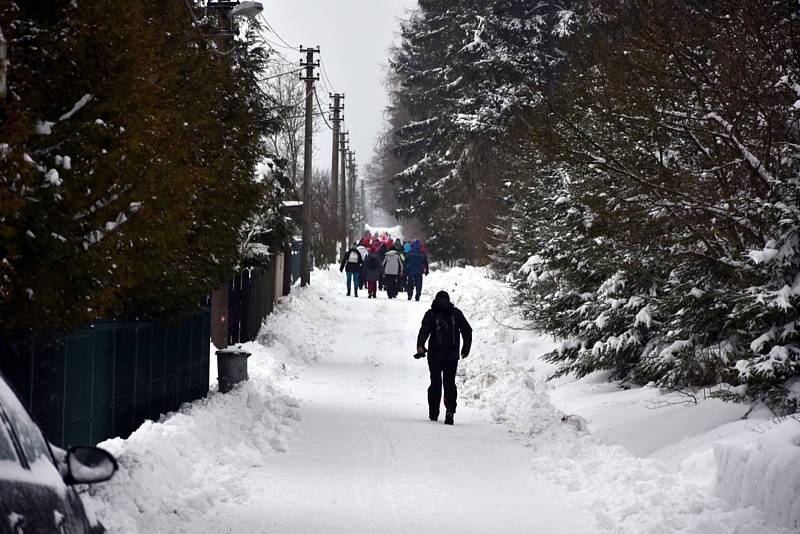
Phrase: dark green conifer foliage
(636, 166)
(130, 142)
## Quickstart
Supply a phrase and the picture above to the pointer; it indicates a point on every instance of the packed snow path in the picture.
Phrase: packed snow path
(369, 460)
(330, 434)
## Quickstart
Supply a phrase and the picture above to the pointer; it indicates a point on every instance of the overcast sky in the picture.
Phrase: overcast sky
(353, 36)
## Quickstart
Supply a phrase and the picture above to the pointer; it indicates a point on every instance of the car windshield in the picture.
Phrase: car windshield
(30, 437)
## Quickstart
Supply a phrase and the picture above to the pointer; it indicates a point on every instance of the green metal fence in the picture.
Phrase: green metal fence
(105, 380)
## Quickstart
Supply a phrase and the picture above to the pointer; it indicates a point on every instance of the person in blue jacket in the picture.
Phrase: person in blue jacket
(416, 267)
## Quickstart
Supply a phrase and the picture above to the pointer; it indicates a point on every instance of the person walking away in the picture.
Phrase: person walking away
(373, 270)
(443, 327)
(362, 249)
(392, 272)
(401, 251)
(382, 250)
(416, 267)
(352, 263)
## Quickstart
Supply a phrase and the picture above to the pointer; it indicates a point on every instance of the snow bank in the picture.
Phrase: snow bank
(628, 494)
(765, 475)
(176, 470)
(173, 473)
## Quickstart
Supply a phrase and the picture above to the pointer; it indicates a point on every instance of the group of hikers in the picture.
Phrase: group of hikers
(383, 263)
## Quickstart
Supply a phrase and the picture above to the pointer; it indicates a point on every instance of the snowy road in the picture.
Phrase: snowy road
(331, 435)
(368, 459)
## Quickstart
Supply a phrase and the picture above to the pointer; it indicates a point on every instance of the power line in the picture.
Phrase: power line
(319, 105)
(281, 39)
(325, 75)
(298, 69)
(297, 104)
(278, 45)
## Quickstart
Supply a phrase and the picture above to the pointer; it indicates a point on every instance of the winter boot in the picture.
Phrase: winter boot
(448, 417)
(348, 292)
(433, 416)
(355, 292)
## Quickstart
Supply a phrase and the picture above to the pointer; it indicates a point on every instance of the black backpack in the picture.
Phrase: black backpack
(445, 332)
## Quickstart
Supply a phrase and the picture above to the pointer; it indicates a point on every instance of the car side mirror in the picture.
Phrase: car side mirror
(89, 465)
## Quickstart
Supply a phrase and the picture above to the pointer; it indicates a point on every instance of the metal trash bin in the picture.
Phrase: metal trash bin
(231, 368)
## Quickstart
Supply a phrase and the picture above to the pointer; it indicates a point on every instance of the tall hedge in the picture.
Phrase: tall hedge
(128, 147)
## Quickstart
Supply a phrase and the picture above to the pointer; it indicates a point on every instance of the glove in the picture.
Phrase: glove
(420, 353)
(464, 355)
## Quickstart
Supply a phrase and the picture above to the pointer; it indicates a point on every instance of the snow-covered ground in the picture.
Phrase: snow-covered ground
(331, 435)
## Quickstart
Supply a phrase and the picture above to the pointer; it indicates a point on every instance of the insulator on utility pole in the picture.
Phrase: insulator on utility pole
(309, 78)
(336, 118)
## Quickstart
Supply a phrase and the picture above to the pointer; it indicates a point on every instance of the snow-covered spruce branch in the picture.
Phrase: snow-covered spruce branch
(95, 236)
(751, 158)
(44, 127)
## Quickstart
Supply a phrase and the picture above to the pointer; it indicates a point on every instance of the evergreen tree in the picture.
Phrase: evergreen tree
(675, 132)
(130, 141)
(466, 70)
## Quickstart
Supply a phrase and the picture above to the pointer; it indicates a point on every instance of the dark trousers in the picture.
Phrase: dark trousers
(391, 281)
(442, 373)
(414, 281)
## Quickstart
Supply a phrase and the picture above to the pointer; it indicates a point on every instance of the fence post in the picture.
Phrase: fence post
(219, 317)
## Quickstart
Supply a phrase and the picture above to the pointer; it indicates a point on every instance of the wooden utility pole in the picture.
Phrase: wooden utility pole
(309, 78)
(363, 201)
(346, 239)
(352, 191)
(351, 194)
(337, 121)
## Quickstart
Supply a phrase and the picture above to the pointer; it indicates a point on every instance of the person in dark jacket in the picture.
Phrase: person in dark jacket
(382, 251)
(373, 271)
(443, 327)
(352, 263)
(416, 266)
